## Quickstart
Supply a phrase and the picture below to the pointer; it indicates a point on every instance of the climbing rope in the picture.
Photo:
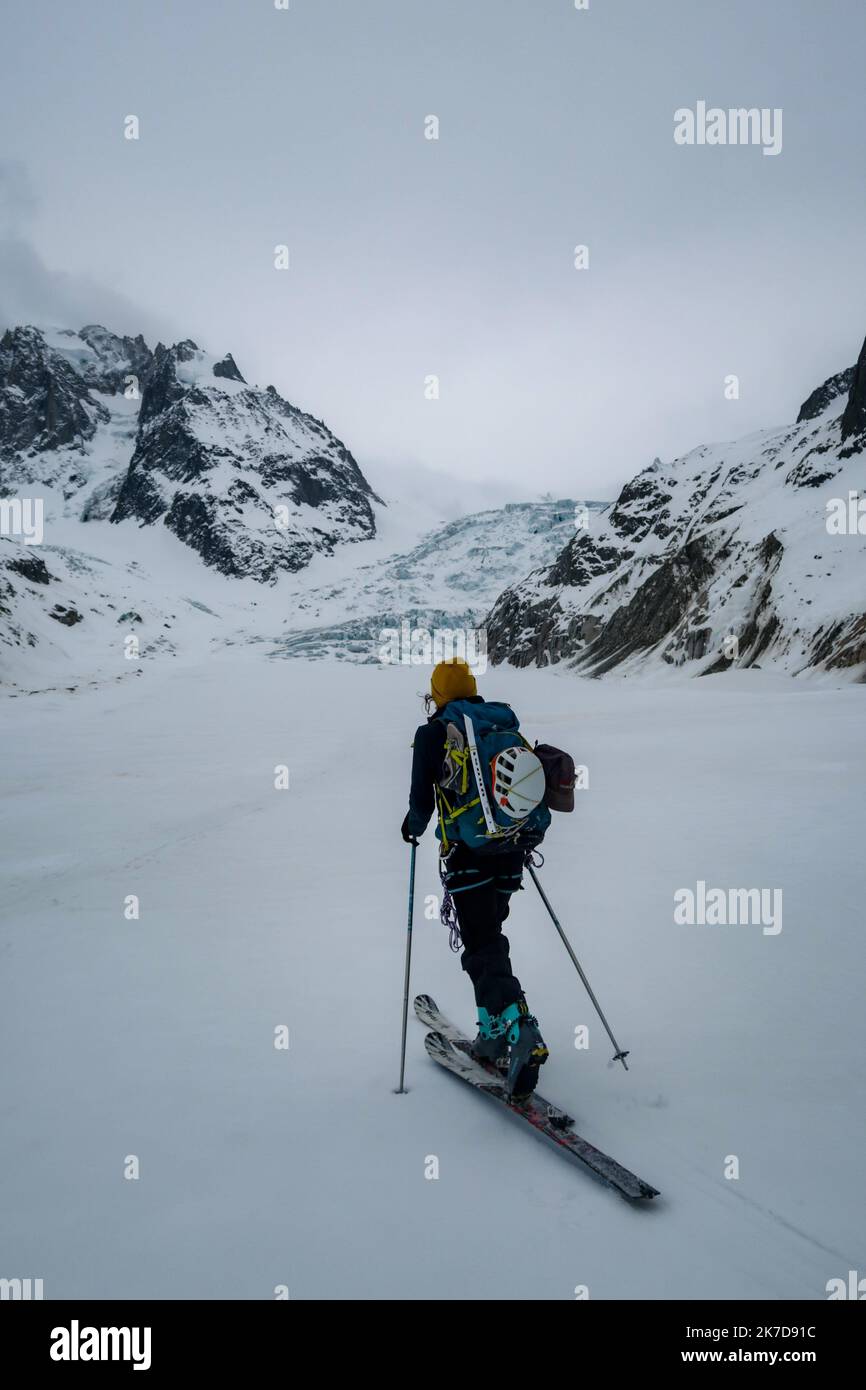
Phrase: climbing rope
(448, 912)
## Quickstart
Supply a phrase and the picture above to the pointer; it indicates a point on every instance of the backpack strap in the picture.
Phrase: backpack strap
(492, 827)
(440, 799)
(451, 813)
(458, 760)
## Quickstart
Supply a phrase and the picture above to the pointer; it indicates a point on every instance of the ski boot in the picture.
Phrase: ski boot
(491, 1045)
(528, 1050)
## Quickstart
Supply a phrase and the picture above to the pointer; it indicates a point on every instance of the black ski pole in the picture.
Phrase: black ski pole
(401, 1089)
(619, 1055)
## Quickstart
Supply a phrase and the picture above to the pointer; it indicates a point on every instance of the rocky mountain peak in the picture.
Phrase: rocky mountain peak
(824, 395)
(228, 368)
(45, 404)
(854, 415)
(162, 387)
(236, 471)
(112, 360)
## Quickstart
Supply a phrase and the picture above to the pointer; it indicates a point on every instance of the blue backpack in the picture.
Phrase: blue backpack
(476, 732)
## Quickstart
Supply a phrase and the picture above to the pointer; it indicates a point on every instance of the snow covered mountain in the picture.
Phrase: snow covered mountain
(250, 482)
(150, 462)
(175, 436)
(146, 463)
(732, 555)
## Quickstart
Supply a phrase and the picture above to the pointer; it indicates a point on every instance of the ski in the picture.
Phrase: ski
(431, 1016)
(451, 1052)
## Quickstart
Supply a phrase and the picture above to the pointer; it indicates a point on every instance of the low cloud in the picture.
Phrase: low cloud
(30, 292)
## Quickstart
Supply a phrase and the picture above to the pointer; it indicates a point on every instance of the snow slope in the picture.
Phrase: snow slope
(261, 908)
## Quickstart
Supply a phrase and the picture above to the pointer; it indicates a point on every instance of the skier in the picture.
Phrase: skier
(481, 882)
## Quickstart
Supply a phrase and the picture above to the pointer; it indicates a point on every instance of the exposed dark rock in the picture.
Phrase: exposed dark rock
(814, 469)
(633, 512)
(654, 610)
(118, 359)
(762, 624)
(584, 559)
(854, 414)
(102, 501)
(771, 547)
(44, 402)
(825, 394)
(68, 616)
(32, 568)
(697, 643)
(162, 388)
(228, 368)
(526, 635)
(199, 521)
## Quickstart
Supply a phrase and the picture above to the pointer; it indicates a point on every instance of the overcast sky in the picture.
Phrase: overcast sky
(411, 257)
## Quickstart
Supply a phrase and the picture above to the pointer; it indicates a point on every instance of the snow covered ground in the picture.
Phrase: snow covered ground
(261, 907)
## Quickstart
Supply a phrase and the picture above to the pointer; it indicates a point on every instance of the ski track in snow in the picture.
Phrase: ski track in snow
(261, 908)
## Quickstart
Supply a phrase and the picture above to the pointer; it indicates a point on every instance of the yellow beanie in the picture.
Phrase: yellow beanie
(451, 680)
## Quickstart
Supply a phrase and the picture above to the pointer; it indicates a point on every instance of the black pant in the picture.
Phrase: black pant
(481, 886)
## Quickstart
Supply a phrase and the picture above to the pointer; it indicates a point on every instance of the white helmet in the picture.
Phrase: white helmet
(518, 781)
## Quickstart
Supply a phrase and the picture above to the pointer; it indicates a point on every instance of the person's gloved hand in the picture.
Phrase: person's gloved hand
(404, 831)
